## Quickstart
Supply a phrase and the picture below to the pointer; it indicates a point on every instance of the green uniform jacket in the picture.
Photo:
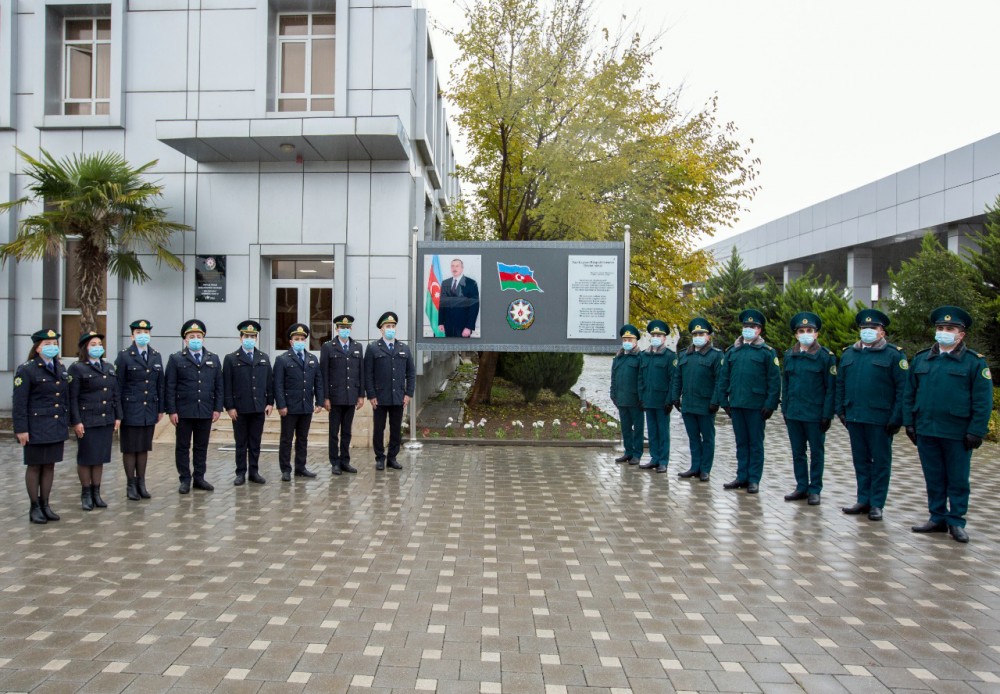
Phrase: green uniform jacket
(697, 379)
(656, 377)
(809, 384)
(870, 384)
(750, 377)
(948, 394)
(625, 379)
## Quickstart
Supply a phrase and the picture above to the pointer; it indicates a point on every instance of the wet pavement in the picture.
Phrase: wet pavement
(501, 569)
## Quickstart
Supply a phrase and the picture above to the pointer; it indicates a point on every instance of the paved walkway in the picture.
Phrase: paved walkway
(498, 570)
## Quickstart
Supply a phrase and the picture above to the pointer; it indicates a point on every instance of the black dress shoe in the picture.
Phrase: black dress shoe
(688, 473)
(380, 465)
(875, 514)
(958, 534)
(47, 510)
(305, 472)
(132, 491)
(623, 458)
(930, 527)
(752, 488)
(256, 478)
(335, 469)
(649, 466)
(185, 487)
(634, 461)
(200, 483)
(704, 477)
(661, 468)
(239, 481)
(813, 500)
(286, 476)
(735, 484)
(797, 496)
(856, 509)
(95, 491)
(140, 486)
(394, 465)
(36, 515)
(347, 467)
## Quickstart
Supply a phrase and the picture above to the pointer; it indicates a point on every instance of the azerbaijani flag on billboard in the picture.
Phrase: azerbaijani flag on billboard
(517, 277)
(432, 302)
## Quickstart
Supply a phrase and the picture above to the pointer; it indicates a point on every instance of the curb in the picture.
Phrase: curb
(557, 443)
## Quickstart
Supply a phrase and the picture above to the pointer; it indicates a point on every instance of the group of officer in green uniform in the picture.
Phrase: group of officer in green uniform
(943, 399)
(192, 387)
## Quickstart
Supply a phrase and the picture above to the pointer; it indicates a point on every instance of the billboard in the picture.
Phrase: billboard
(528, 296)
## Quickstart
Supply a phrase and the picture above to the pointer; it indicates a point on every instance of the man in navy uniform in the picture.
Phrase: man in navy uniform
(194, 401)
(870, 381)
(390, 377)
(695, 395)
(342, 361)
(946, 411)
(808, 390)
(298, 394)
(749, 391)
(249, 397)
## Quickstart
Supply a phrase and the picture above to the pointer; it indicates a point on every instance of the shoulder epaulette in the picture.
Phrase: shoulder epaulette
(895, 347)
(923, 351)
(829, 351)
(716, 349)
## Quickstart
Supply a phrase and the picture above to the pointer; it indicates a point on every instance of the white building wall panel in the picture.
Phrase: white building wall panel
(154, 62)
(324, 208)
(280, 211)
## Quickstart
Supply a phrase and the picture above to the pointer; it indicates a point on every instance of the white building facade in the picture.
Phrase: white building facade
(302, 140)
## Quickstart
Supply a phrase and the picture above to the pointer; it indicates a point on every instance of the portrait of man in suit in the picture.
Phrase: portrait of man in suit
(459, 304)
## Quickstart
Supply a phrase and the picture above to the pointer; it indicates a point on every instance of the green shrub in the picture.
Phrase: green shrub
(993, 433)
(532, 371)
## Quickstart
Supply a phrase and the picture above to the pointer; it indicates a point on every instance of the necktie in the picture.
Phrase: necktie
(51, 366)
(390, 346)
(454, 285)
(145, 357)
(197, 358)
(344, 346)
(302, 359)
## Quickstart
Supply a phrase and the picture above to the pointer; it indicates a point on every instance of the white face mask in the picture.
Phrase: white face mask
(699, 340)
(806, 338)
(749, 334)
(869, 335)
(656, 341)
(945, 338)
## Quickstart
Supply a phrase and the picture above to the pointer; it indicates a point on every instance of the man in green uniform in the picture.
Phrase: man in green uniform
(870, 381)
(808, 390)
(625, 394)
(656, 374)
(946, 412)
(695, 397)
(749, 391)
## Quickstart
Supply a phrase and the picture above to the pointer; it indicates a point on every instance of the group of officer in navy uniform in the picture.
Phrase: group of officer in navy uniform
(193, 388)
(943, 399)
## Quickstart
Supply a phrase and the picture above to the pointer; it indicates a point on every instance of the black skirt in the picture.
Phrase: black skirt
(43, 453)
(95, 446)
(136, 439)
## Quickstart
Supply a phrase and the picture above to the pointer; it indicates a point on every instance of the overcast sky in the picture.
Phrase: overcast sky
(834, 94)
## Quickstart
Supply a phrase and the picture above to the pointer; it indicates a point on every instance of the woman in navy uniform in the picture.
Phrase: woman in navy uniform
(41, 419)
(248, 395)
(389, 379)
(343, 363)
(193, 395)
(808, 387)
(749, 392)
(695, 395)
(141, 385)
(95, 415)
(625, 394)
(298, 394)
(657, 369)
(870, 381)
(946, 411)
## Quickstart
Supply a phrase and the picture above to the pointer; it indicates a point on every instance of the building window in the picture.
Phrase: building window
(306, 59)
(87, 67)
(70, 303)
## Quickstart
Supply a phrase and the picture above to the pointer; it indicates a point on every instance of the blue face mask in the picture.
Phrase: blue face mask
(749, 334)
(627, 346)
(699, 340)
(656, 341)
(806, 338)
(344, 333)
(945, 338)
(299, 346)
(50, 351)
(869, 335)
(194, 344)
(142, 339)
(249, 343)
(95, 352)
(390, 333)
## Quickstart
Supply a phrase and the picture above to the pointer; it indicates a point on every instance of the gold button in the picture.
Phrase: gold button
(57, 416)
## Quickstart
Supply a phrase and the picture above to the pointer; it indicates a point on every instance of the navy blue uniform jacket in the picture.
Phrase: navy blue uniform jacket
(298, 389)
(193, 391)
(140, 386)
(248, 384)
(41, 402)
(343, 372)
(389, 375)
(93, 395)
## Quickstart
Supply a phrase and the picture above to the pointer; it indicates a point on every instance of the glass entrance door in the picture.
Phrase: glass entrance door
(301, 292)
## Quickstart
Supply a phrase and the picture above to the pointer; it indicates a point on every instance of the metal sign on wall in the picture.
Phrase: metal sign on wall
(529, 296)
(210, 278)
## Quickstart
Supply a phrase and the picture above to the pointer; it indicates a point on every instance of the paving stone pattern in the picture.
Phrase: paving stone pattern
(498, 569)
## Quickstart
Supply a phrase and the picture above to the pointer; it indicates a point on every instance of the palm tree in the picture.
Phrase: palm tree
(103, 202)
